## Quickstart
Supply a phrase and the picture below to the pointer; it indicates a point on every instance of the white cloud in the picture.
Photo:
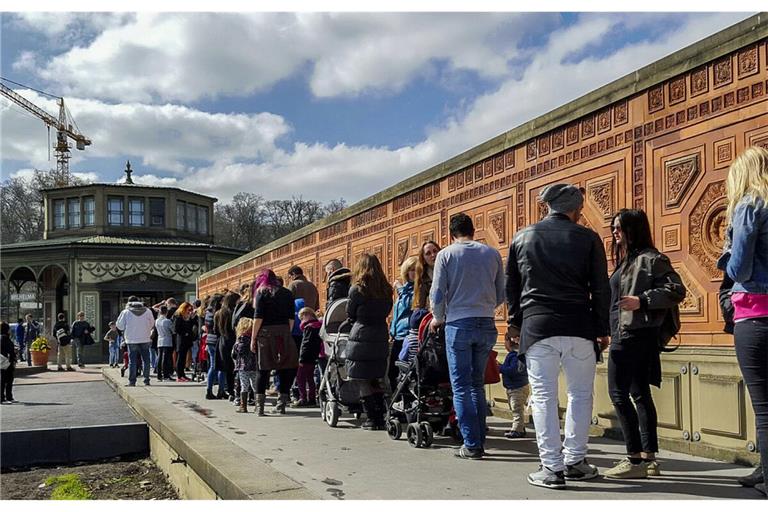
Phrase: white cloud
(239, 152)
(187, 57)
(163, 136)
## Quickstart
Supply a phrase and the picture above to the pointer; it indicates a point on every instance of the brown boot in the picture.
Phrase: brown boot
(243, 402)
(282, 402)
(260, 399)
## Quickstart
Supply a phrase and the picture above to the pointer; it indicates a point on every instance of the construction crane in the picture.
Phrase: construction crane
(65, 126)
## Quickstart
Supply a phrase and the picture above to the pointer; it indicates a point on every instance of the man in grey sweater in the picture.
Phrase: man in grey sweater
(467, 287)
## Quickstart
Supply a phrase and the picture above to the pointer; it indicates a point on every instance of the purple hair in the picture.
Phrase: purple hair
(266, 279)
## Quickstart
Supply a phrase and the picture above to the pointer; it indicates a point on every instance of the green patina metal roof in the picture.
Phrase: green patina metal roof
(109, 240)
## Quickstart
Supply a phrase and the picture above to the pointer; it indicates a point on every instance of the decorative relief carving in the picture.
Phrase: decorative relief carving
(544, 145)
(747, 61)
(761, 142)
(604, 121)
(723, 152)
(98, 271)
(620, 113)
(677, 90)
(557, 140)
(498, 224)
(572, 134)
(601, 195)
(670, 237)
(509, 159)
(488, 169)
(530, 150)
(692, 304)
(588, 127)
(699, 81)
(498, 164)
(707, 225)
(543, 209)
(655, 99)
(678, 176)
(723, 72)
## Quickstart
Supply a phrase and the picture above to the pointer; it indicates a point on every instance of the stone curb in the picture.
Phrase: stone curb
(230, 471)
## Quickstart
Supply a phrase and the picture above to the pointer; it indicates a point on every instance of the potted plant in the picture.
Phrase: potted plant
(38, 351)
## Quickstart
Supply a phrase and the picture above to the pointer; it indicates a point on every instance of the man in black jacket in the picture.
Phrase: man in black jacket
(558, 297)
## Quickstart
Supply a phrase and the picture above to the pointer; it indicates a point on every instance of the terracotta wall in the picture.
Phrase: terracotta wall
(665, 149)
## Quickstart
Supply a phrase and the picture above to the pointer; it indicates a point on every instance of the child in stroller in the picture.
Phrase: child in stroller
(422, 398)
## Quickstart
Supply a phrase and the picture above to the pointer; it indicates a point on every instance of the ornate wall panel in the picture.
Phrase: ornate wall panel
(665, 149)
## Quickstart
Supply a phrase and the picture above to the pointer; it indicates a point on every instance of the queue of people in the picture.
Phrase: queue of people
(565, 310)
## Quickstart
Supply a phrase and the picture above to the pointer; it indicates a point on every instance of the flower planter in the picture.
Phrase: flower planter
(39, 358)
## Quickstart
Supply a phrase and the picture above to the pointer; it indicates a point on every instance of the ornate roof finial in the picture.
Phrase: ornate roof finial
(128, 172)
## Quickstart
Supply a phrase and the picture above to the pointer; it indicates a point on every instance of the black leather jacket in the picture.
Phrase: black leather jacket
(558, 266)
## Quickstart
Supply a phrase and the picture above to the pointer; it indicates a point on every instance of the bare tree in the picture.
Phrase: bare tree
(287, 215)
(335, 206)
(21, 215)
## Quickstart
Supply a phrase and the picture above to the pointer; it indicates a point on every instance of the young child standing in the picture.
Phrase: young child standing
(515, 380)
(246, 365)
(114, 344)
(308, 354)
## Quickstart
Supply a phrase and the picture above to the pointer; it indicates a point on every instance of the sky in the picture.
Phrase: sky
(319, 105)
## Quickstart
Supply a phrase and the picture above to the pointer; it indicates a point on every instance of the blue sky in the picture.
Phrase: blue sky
(314, 104)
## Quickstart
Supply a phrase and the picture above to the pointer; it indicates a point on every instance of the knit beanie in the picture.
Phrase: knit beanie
(562, 197)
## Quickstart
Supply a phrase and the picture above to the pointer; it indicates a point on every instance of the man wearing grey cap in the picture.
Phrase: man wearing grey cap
(558, 297)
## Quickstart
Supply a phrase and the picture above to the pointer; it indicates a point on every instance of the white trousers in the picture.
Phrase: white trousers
(544, 359)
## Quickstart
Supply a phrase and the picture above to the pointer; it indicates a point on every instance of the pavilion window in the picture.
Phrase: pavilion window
(181, 217)
(191, 218)
(89, 211)
(59, 214)
(115, 211)
(73, 213)
(157, 212)
(136, 212)
(202, 220)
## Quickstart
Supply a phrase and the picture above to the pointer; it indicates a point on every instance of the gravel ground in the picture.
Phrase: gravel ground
(108, 480)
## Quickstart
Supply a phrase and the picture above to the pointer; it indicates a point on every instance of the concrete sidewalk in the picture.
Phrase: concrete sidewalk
(64, 399)
(350, 463)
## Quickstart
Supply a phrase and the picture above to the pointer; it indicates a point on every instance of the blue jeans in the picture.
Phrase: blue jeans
(136, 350)
(468, 342)
(215, 376)
(114, 353)
(152, 357)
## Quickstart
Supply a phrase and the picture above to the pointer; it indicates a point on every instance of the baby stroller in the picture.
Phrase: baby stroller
(422, 398)
(336, 391)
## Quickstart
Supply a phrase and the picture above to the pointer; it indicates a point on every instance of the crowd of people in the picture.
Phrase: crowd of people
(564, 311)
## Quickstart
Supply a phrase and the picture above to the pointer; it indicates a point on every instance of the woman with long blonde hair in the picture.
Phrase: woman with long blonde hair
(370, 301)
(424, 269)
(745, 259)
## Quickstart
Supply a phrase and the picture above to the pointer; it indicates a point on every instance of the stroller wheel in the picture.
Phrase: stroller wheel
(394, 428)
(415, 435)
(323, 407)
(332, 413)
(427, 433)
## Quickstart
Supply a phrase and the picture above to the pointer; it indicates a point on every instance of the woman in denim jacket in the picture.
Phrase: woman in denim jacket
(745, 259)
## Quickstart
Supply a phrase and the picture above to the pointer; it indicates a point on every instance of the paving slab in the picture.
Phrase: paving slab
(64, 399)
(350, 463)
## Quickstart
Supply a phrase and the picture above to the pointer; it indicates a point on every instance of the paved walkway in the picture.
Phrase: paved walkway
(348, 462)
(64, 399)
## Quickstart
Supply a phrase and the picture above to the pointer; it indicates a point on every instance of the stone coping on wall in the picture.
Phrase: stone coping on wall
(207, 453)
(746, 32)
